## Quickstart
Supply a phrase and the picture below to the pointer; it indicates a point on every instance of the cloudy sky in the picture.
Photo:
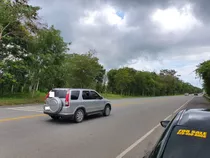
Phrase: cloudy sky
(142, 34)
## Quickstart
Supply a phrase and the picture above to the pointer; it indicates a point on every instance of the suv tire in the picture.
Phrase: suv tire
(107, 110)
(79, 115)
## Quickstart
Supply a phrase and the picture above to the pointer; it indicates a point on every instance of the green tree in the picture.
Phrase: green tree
(17, 23)
(112, 81)
(125, 80)
(83, 70)
(47, 51)
(29, 51)
(14, 15)
(128, 81)
(203, 71)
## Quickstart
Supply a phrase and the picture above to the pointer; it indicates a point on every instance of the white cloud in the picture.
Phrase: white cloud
(107, 13)
(110, 13)
(146, 65)
(199, 57)
(89, 18)
(173, 19)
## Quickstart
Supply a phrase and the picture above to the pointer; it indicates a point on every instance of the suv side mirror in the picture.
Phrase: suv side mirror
(164, 123)
(100, 97)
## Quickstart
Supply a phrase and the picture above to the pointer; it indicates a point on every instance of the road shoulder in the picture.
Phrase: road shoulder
(147, 144)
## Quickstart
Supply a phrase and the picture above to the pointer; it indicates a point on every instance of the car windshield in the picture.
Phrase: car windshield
(187, 142)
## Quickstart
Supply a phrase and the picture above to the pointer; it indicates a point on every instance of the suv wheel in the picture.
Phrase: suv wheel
(55, 117)
(107, 110)
(79, 116)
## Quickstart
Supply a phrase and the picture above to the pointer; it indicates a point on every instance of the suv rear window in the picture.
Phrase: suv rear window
(60, 93)
(188, 142)
(74, 95)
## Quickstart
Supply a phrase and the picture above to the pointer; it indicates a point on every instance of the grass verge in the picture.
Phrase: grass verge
(39, 97)
(25, 98)
(116, 96)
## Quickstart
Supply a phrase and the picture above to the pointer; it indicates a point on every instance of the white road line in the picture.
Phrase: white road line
(167, 117)
(148, 133)
(137, 142)
(23, 109)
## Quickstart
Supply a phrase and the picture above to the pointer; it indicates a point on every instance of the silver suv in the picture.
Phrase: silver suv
(75, 103)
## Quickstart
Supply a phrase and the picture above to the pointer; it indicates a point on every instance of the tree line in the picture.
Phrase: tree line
(34, 57)
(128, 81)
(203, 71)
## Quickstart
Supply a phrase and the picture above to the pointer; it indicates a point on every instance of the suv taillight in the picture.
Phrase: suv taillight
(67, 100)
(47, 95)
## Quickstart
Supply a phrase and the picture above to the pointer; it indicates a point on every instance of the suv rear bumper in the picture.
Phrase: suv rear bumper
(64, 115)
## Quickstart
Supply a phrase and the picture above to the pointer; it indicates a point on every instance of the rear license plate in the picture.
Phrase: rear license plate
(52, 94)
(47, 108)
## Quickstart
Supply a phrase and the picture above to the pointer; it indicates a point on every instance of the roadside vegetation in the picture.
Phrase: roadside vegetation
(39, 97)
(34, 59)
(203, 71)
(22, 98)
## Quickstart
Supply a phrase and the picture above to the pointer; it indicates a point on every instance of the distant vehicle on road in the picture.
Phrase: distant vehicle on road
(75, 103)
(186, 94)
(187, 135)
(196, 94)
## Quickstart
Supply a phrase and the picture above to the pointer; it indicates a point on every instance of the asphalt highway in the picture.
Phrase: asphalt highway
(130, 131)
